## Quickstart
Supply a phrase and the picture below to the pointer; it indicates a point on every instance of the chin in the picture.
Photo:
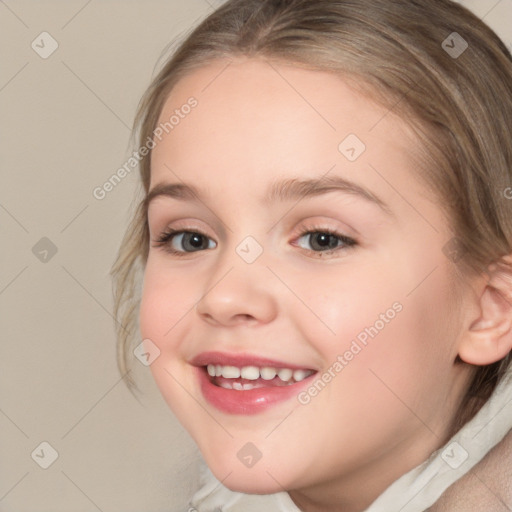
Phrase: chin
(255, 480)
(260, 483)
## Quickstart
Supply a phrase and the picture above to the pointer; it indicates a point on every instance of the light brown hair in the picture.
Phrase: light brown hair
(460, 106)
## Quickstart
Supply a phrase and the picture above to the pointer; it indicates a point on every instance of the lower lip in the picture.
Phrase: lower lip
(251, 401)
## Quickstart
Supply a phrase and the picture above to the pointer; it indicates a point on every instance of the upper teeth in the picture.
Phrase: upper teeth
(254, 372)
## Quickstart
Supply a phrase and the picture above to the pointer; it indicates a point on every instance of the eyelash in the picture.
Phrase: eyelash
(346, 241)
(165, 239)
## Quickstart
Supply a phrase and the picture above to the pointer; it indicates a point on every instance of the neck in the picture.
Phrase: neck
(357, 490)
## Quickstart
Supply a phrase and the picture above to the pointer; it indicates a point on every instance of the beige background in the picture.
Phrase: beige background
(65, 124)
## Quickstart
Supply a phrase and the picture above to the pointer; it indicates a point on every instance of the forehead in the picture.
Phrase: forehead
(257, 119)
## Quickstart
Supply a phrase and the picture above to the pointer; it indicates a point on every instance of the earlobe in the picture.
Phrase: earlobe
(489, 336)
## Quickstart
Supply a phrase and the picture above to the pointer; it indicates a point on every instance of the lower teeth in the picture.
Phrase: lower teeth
(238, 386)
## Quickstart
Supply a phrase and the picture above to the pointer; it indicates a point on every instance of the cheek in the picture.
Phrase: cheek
(403, 369)
(154, 316)
(386, 347)
(344, 305)
(167, 299)
(163, 318)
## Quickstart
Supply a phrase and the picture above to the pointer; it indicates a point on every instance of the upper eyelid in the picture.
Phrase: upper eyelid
(303, 231)
(350, 243)
(165, 193)
(157, 206)
(175, 225)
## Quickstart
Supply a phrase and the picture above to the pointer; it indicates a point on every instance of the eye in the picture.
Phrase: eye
(321, 240)
(324, 240)
(180, 242)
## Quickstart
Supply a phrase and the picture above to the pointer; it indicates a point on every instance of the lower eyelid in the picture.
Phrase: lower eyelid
(167, 238)
(347, 242)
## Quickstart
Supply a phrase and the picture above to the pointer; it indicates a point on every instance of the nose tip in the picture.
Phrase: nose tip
(228, 319)
(234, 301)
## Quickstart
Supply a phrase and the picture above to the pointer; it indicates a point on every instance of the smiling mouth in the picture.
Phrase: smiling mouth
(246, 378)
(242, 384)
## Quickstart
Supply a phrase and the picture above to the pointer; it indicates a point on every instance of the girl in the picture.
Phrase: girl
(325, 236)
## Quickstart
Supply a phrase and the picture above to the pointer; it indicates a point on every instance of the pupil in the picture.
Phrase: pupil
(324, 240)
(192, 241)
(195, 241)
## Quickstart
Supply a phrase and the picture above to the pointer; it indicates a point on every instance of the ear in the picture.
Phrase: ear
(489, 336)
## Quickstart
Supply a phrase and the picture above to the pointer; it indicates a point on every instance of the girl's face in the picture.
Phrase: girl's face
(304, 245)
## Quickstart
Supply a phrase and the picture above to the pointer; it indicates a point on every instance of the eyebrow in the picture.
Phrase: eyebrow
(284, 190)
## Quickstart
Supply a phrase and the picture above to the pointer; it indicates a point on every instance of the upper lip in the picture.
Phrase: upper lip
(241, 360)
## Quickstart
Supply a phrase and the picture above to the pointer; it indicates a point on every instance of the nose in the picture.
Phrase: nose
(238, 293)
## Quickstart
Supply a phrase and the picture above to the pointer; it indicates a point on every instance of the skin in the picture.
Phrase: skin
(391, 406)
